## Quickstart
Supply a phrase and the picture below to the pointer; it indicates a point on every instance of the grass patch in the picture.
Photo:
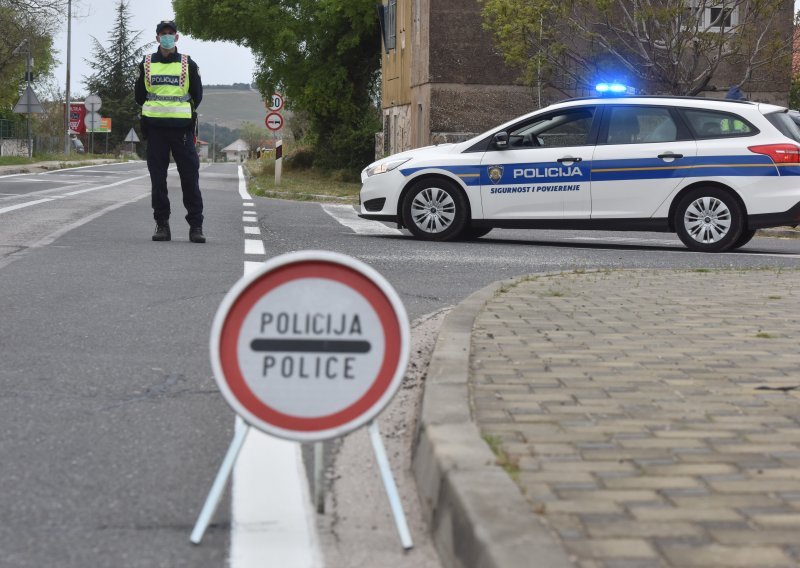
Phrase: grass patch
(509, 464)
(775, 297)
(15, 161)
(765, 335)
(703, 270)
(301, 184)
(554, 294)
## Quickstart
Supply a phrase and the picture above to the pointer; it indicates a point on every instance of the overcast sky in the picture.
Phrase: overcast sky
(220, 63)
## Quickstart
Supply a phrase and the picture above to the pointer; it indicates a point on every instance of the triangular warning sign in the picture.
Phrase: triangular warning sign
(28, 103)
(131, 137)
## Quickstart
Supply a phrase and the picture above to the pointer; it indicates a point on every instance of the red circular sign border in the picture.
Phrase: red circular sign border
(266, 121)
(240, 308)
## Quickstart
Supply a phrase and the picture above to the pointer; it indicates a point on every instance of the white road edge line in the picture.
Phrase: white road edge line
(346, 215)
(272, 521)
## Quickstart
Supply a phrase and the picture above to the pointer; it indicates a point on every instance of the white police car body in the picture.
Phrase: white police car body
(713, 171)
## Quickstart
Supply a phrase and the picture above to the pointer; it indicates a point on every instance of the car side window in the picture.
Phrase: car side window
(640, 125)
(710, 124)
(570, 127)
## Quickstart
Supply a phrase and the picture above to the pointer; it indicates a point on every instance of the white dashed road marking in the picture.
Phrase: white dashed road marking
(272, 519)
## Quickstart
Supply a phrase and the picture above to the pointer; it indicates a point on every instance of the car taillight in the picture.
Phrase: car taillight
(780, 153)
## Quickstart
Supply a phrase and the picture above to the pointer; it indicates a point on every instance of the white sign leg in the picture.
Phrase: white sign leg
(389, 485)
(212, 501)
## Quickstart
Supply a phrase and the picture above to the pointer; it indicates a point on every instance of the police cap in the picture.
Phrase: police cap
(166, 24)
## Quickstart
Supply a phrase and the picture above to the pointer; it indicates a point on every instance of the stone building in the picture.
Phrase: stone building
(444, 81)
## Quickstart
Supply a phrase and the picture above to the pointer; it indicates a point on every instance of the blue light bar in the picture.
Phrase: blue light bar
(614, 88)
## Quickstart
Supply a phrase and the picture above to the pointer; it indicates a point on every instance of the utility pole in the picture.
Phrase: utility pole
(66, 107)
(214, 144)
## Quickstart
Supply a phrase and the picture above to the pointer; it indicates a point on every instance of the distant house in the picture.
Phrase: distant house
(236, 151)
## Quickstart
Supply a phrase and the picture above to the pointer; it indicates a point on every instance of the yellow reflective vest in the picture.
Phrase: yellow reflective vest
(167, 87)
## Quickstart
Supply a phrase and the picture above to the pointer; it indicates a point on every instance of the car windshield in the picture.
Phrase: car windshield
(787, 123)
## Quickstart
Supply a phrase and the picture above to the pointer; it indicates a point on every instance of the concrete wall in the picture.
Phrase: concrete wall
(13, 147)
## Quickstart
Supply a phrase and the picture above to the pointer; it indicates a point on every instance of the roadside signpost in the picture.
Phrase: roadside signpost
(131, 137)
(276, 102)
(29, 104)
(310, 347)
(274, 121)
(92, 118)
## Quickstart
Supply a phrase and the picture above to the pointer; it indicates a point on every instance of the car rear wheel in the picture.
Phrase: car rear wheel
(434, 210)
(709, 219)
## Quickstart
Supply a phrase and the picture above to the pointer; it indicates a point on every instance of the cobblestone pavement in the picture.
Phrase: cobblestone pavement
(651, 417)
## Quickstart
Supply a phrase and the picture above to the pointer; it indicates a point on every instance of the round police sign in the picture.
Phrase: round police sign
(310, 347)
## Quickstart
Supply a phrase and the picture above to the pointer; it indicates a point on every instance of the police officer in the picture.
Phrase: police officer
(169, 90)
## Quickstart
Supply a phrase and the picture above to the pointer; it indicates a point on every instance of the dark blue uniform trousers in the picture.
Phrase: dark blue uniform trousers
(179, 141)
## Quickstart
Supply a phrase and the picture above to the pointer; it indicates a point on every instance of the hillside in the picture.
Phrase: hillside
(231, 107)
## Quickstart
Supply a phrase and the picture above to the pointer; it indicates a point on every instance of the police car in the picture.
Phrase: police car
(712, 171)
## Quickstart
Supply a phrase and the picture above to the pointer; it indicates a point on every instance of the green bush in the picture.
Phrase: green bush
(300, 159)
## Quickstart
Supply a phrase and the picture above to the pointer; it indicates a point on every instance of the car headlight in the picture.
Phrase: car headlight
(384, 167)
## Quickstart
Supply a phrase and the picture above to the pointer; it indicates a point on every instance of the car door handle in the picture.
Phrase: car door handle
(670, 155)
(562, 160)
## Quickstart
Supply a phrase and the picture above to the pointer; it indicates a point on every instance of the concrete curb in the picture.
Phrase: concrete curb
(477, 515)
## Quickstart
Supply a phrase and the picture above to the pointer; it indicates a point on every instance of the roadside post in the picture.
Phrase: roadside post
(274, 121)
(93, 118)
(308, 348)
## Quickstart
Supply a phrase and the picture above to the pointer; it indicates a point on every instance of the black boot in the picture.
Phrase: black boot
(196, 235)
(162, 231)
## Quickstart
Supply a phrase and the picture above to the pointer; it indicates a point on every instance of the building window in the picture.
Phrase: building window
(720, 17)
(709, 16)
(387, 17)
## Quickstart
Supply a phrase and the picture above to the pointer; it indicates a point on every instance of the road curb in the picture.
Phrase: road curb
(478, 517)
(39, 167)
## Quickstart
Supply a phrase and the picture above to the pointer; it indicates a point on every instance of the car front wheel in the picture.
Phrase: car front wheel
(746, 236)
(709, 220)
(434, 210)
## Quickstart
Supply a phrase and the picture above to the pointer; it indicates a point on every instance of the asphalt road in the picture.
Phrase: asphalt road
(112, 424)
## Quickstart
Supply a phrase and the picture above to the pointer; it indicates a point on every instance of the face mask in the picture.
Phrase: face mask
(167, 41)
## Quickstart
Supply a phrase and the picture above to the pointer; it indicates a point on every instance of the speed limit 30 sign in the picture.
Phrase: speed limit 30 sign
(310, 347)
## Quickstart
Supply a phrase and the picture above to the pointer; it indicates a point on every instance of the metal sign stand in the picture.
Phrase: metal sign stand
(224, 473)
(226, 468)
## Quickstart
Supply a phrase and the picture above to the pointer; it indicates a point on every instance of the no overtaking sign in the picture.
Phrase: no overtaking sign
(310, 347)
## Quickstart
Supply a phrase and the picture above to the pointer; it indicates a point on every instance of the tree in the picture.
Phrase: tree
(253, 134)
(115, 71)
(324, 55)
(663, 46)
(20, 21)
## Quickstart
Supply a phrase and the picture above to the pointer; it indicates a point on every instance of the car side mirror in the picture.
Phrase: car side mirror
(500, 140)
